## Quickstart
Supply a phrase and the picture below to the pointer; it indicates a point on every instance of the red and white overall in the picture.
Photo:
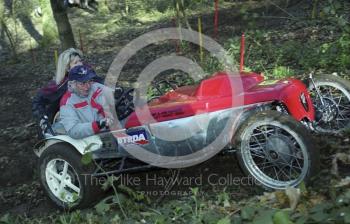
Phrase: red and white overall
(78, 114)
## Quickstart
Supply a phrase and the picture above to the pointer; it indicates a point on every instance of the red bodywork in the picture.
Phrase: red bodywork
(223, 91)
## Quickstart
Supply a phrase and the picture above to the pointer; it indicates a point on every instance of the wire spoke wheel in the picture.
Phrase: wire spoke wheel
(334, 111)
(274, 155)
(275, 151)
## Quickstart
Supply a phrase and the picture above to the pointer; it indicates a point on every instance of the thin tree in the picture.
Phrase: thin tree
(4, 29)
(64, 27)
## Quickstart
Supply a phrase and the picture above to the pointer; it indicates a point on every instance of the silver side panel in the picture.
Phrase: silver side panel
(177, 137)
(186, 135)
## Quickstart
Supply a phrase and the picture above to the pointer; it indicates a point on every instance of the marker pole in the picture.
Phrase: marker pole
(200, 39)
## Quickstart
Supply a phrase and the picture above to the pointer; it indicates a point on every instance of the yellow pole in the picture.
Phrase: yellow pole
(56, 57)
(200, 39)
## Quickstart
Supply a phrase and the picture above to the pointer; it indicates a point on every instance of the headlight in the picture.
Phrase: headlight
(304, 102)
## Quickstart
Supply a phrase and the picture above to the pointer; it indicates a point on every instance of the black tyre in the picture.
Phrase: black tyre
(66, 180)
(276, 150)
(333, 115)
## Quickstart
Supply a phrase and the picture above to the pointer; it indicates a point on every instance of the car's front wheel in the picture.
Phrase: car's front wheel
(66, 180)
(276, 150)
(332, 103)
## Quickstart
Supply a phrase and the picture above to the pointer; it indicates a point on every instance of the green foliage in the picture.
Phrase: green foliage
(223, 199)
(5, 219)
(281, 217)
(211, 65)
(50, 33)
(134, 195)
(225, 220)
(287, 57)
(200, 209)
(281, 71)
(87, 158)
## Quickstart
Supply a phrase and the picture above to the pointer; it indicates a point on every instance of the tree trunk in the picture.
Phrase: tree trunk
(30, 27)
(4, 30)
(63, 25)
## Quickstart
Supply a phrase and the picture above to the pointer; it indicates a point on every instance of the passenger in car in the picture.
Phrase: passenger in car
(45, 104)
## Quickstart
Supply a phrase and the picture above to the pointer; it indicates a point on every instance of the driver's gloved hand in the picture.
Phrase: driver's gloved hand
(104, 123)
(43, 123)
(101, 123)
(109, 122)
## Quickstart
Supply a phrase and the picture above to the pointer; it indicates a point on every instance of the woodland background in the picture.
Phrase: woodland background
(283, 38)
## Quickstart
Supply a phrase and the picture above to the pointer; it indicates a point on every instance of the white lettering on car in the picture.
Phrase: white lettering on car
(132, 139)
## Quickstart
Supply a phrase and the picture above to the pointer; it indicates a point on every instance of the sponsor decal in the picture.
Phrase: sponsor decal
(138, 137)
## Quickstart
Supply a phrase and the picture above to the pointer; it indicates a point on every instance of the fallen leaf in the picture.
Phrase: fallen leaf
(282, 198)
(343, 182)
(267, 197)
(293, 195)
(343, 157)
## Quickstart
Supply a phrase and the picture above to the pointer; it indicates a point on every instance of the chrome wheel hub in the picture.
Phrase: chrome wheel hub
(330, 110)
(278, 149)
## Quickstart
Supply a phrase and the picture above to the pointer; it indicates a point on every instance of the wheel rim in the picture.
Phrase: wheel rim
(336, 111)
(62, 180)
(274, 155)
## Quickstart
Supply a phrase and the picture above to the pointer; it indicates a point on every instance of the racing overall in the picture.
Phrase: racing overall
(78, 114)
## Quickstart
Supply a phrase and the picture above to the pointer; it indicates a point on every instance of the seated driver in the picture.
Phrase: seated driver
(82, 106)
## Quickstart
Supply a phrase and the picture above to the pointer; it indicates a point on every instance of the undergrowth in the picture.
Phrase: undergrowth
(274, 207)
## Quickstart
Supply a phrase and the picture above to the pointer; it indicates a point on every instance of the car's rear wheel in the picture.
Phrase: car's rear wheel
(276, 150)
(66, 180)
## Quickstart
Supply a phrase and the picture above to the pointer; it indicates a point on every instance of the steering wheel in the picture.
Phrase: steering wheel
(168, 83)
(124, 104)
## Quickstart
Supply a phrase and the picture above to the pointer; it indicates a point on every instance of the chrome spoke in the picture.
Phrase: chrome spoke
(337, 108)
(257, 141)
(62, 186)
(274, 168)
(73, 187)
(54, 174)
(65, 169)
(281, 171)
(276, 165)
(339, 99)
